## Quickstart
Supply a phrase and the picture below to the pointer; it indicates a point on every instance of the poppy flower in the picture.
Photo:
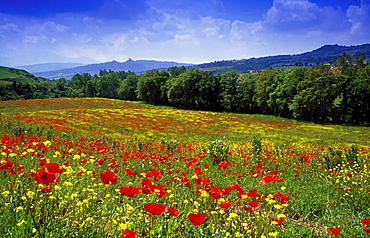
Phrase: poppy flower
(129, 234)
(42, 161)
(215, 192)
(283, 199)
(20, 167)
(154, 208)
(367, 230)
(365, 221)
(108, 177)
(278, 221)
(44, 177)
(270, 178)
(173, 211)
(129, 191)
(253, 203)
(46, 189)
(225, 205)
(197, 218)
(130, 172)
(334, 231)
(54, 167)
(159, 190)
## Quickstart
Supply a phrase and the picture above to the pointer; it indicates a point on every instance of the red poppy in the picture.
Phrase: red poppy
(42, 161)
(146, 184)
(129, 234)
(283, 199)
(367, 230)
(159, 190)
(225, 205)
(334, 231)
(278, 220)
(55, 168)
(44, 177)
(226, 191)
(253, 204)
(215, 192)
(270, 178)
(46, 189)
(154, 208)
(108, 177)
(130, 172)
(252, 193)
(80, 173)
(366, 221)
(197, 218)
(173, 211)
(129, 191)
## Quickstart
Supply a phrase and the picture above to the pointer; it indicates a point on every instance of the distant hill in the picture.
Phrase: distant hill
(320, 56)
(9, 75)
(38, 68)
(137, 66)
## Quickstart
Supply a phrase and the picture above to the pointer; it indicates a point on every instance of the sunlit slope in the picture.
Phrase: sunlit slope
(118, 119)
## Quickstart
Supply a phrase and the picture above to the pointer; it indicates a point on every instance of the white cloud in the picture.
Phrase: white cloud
(359, 16)
(50, 26)
(303, 15)
(179, 30)
(33, 39)
(9, 27)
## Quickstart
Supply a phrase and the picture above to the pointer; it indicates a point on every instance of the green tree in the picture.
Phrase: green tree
(285, 88)
(193, 89)
(176, 71)
(128, 88)
(79, 83)
(318, 95)
(151, 86)
(228, 90)
(108, 85)
(245, 89)
(357, 103)
(264, 86)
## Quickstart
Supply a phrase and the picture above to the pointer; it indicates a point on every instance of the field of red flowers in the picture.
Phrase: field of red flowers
(108, 168)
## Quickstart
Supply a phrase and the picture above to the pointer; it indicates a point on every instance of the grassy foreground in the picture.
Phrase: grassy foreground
(108, 168)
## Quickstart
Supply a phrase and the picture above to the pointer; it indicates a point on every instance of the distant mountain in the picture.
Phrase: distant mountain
(137, 66)
(39, 68)
(320, 56)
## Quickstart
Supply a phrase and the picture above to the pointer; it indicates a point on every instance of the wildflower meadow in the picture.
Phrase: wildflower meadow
(93, 167)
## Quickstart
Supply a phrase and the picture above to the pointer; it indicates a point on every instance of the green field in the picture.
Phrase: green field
(93, 167)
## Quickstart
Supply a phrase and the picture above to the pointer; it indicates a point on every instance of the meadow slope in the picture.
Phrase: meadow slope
(93, 167)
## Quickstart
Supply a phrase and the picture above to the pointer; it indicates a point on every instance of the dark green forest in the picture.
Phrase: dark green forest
(330, 94)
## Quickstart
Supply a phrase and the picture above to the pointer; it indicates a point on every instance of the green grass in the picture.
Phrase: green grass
(327, 185)
(6, 72)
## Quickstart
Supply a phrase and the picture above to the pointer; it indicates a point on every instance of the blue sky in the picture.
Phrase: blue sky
(190, 31)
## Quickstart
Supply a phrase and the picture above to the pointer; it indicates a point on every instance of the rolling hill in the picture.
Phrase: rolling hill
(137, 66)
(320, 56)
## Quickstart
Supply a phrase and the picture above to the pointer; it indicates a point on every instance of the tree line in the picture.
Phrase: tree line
(335, 94)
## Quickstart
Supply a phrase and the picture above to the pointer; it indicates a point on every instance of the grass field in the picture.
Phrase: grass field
(6, 72)
(96, 167)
